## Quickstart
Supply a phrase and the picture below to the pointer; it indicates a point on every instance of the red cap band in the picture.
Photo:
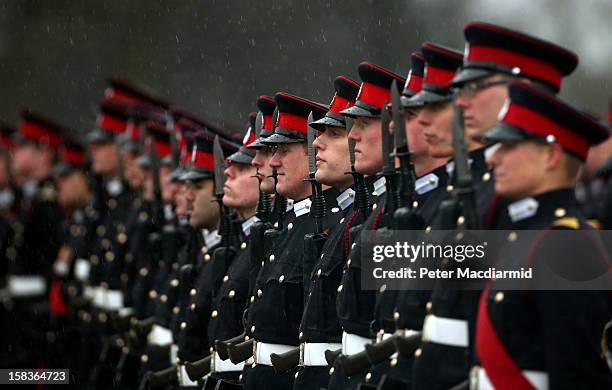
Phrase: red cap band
(339, 103)
(112, 124)
(438, 76)
(74, 157)
(202, 160)
(535, 123)
(529, 66)
(39, 133)
(292, 122)
(373, 95)
(414, 83)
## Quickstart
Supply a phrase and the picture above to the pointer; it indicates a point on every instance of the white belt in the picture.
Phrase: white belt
(22, 286)
(352, 343)
(313, 354)
(89, 292)
(183, 378)
(114, 300)
(446, 331)
(125, 312)
(159, 336)
(479, 380)
(382, 336)
(219, 365)
(81, 270)
(173, 353)
(99, 297)
(264, 350)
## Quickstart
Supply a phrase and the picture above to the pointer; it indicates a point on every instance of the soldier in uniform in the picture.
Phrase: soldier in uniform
(38, 232)
(241, 193)
(276, 307)
(526, 339)
(320, 329)
(355, 306)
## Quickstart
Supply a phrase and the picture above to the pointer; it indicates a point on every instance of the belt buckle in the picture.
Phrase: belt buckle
(425, 338)
(213, 357)
(302, 349)
(474, 377)
(254, 351)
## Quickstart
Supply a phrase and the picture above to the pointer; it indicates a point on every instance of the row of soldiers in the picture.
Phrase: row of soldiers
(165, 253)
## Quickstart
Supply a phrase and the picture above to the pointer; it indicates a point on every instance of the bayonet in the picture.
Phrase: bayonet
(258, 124)
(389, 172)
(362, 200)
(219, 160)
(318, 201)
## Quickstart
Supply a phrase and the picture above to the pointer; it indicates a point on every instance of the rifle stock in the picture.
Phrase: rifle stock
(198, 369)
(285, 361)
(240, 352)
(162, 378)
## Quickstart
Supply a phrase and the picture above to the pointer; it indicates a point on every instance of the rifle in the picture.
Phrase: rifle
(161, 378)
(404, 217)
(362, 200)
(198, 369)
(285, 361)
(392, 200)
(221, 346)
(313, 242)
(240, 352)
(379, 352)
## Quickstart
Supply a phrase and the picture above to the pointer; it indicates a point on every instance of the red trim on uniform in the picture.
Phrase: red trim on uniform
(373, 95)
(73, 156)
(292, 122)
(497, 363)
(339, 103)
(6, 142)
(347, 232)
(162, 148)
(414, 83)
(56, 301)
(438, 76)
(134, 130)
(533, 122)
(267, 123)
(112, 124)
(117, 94)
(39, 133)
(203, 160)
(530, 66)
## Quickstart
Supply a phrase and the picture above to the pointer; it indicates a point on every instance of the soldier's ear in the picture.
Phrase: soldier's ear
(555, 156)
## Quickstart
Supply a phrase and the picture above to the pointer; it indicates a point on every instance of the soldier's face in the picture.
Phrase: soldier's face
(204, 213)
(333, 158)
(291, 164)
(520, 168)
(24, 160)
(133, 173)
(104, 158)
(481, 106)
(180, 200)
(72, 189)
(368, 149)
(240, 191)
(168, 188)
(435, 120)
(261, 162)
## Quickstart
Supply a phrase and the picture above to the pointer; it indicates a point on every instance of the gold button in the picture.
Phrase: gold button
(374, 206)
(232, 294)
(339, 288)
(415, 204)
(101, 230)
(290, 226)
(382, 288)
(177, 360)
(271, 257)
(214, 314)
(259, 293)
(499, 296)
(122, 238)
(174, 282)
(152, 294)
(243, 245)
(296, 375)
(176, 310)
(105, 242)
(143, 216)
(211, 350)
(559, 213)
(204, 250)
(396, 316)
(276, 225)
(207, 257)
(301, 335)
(428, 306)
(163, 298)
(109, 256)
(368, 376)
(461, 220)
(225, 278)
(124, 277)
(143, 271)
(512, 236)
(418, 352)
(282, 278)
(95, 259)
(104, 285)
(393, 362)
(252, 298)
(331, 371)
(183, 325)
(102, 317)
(253, 329)
(144, 358)
(335, 210)
(348, 263)
(193, 292)
(486, 176)
(449, 188)
(193, 307)
(319, 272)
